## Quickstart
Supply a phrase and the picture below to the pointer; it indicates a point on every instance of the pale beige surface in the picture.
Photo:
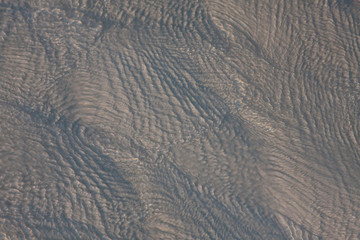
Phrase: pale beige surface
(179, 120)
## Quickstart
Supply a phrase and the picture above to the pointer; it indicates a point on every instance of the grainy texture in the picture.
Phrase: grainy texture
(180, 119)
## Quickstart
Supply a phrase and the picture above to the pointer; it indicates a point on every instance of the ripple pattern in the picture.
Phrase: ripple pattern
(181, 119)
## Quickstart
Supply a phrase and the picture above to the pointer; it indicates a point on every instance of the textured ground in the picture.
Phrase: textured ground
(182, 119)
